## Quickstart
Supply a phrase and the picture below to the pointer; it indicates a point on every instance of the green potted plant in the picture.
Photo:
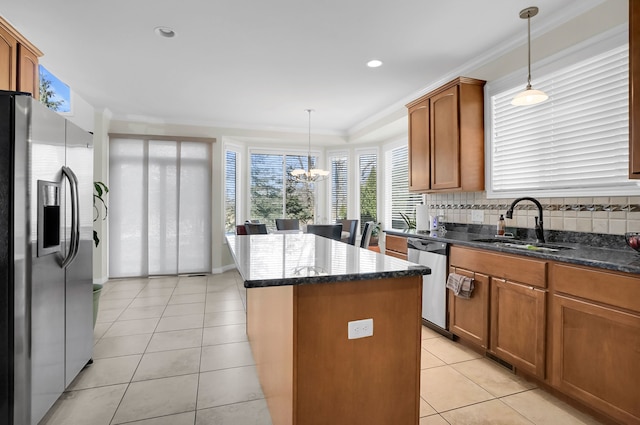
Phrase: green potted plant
(375, 234)
(410, 222)
(99, 190)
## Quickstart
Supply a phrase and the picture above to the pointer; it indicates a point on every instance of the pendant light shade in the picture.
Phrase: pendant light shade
(309, 175)
(529, 96)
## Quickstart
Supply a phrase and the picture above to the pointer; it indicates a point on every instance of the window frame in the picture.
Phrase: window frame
(282, 152)
(611, 39)
(330, 156)
(358, 154)
(388, 182)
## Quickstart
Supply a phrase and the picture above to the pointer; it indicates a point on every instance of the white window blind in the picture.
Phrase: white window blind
(576, 142)
(368, 171)
(339, 186)
(160, 207)
(275, 194)
(230, 191)
(397, 188)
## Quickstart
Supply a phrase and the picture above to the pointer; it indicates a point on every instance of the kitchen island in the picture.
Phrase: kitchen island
(302, 293)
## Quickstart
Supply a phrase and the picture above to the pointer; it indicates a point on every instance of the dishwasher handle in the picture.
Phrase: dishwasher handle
(428, 245)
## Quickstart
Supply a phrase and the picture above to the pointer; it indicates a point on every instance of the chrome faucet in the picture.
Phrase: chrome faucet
(539, 229)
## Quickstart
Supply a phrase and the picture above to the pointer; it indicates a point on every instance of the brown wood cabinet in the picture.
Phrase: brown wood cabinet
(469, 318)
(396, 246)
(573, 327)
(312, 374)
(506, 314)
(518, 325)
(595, 335)
(634, 89)
(419, 153)
(18, 62)
(446, 138)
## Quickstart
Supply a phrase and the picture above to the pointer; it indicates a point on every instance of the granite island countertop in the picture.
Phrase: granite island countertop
(294, 259)
(585, 249)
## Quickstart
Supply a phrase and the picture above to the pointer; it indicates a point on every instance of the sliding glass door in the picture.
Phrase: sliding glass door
(160, 207)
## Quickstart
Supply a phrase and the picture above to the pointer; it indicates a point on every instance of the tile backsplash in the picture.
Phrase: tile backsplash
(613, 215)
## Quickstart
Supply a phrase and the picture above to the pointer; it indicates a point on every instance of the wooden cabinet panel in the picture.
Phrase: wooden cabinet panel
(445, 140)
(469, 318)
(396, 243)
(504, 266)
(28, 79)
(634, 89)
(396, 254)
(518, 323)
(396, 246)
(18, 61)
(419, 155)
(8, 66)
(617, 289)
(596, 356)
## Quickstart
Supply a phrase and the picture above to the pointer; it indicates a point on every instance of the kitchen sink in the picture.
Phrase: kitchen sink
(515, 243)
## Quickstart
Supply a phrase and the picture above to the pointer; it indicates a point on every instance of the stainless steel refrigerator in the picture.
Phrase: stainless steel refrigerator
(46, 209)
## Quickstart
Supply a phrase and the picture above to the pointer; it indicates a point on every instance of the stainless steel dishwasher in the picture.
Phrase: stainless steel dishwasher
(432, 254)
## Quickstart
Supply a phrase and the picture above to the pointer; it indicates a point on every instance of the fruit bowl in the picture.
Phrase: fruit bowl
(633, 240)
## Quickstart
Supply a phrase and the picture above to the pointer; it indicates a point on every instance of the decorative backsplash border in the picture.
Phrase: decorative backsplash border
(546, 207)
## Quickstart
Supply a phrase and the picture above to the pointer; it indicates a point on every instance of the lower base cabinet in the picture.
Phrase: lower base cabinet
(469, 318)
(506, 314)
(575, 328)
(595, 335)
(518, 325)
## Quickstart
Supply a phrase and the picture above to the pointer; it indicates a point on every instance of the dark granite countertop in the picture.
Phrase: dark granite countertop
(587, 249)
(294, 259)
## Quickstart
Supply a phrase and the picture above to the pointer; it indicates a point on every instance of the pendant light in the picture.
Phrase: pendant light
(309, 175)
(529, 96)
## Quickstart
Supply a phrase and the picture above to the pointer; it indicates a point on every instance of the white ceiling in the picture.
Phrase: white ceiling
(258, 64)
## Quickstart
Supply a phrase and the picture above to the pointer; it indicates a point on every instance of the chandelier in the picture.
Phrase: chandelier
(309, 175)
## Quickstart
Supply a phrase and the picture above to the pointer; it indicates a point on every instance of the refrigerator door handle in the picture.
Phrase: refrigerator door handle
(75, 219)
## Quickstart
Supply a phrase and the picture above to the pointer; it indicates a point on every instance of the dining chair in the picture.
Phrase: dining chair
(241, 230)
(331, 231)
(366, 234)
(350, 226)
(255, 228)
(287, 224)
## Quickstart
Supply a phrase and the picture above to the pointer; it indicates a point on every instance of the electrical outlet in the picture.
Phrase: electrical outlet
(360, 328)
(477, 216)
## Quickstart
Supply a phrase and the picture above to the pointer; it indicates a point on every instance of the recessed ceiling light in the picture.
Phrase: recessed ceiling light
(374, 63)
(164, 32)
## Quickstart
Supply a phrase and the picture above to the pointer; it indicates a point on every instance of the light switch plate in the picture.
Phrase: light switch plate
(477, 216)
(360, 328)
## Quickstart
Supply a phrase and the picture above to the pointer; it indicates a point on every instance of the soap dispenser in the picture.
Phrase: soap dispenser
(501, 226)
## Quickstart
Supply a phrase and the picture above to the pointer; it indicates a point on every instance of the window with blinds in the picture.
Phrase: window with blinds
(230, 191)
(397, 188)
(274, 193)
(368, 181)
(339, 186)
(576, 143)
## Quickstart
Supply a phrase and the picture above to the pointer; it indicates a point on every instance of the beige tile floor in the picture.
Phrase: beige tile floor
(173, 351)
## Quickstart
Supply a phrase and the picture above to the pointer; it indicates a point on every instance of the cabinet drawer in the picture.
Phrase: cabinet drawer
(396, 254)
(396, 243)
(510, 267)
(607, 287)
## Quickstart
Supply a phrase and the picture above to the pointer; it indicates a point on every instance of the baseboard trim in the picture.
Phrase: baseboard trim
(219, 270)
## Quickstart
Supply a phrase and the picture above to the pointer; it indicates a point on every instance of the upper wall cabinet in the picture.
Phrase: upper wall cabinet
(18, 62)
(634, 90)
(446, 138)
